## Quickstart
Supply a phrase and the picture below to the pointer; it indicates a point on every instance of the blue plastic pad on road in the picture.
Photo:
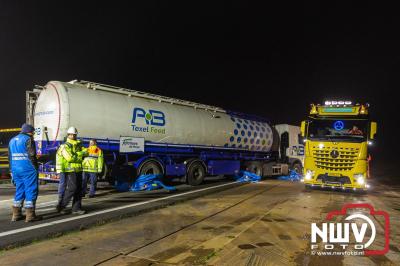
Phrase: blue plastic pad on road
(293, 176)
(245, 176)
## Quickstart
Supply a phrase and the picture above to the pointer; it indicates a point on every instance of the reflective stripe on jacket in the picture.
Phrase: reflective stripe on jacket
(22, 153)
(95, 160)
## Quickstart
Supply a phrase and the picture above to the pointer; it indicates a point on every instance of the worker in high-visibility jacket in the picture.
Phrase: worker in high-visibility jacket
(24, 171)
(72, 153)
(92, 167)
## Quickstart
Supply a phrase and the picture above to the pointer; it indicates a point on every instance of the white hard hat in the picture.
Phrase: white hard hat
(72, 130)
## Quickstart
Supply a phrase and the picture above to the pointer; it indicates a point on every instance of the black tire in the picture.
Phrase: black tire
(255, 167)
(195, 173)
(297, 167)
(308, 187)
(121, 173)
(150, 167)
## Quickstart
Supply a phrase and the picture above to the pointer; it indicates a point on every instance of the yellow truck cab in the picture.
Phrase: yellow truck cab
(336, 137)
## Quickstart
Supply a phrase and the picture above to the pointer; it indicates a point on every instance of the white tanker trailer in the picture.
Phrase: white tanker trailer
(155, 134)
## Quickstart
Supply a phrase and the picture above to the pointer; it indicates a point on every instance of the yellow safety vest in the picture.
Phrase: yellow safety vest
(93, 163)
(72, 155)
(60, 162)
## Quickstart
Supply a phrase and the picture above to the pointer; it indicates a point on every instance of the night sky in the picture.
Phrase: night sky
(269, 60)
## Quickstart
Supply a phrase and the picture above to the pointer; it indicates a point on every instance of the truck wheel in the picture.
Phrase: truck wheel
(150, 167)
(297, 167)
(196, 173)
(255, 167)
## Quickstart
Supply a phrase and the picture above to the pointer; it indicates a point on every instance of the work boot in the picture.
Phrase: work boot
(78, 212)
(65, 211)
(30, 215)
(59, 208)
(16, 214)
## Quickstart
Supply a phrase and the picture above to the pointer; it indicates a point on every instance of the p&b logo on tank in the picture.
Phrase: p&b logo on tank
(148, 122)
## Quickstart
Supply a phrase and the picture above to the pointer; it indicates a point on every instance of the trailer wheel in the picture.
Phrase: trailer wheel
(196, 173)
(297, 167)
(255, 167)
(150, 167)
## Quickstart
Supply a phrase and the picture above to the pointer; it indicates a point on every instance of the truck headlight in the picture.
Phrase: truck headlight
(309, 175)
(360, 179)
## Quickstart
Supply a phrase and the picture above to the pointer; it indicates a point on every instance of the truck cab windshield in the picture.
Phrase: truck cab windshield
(338, 130)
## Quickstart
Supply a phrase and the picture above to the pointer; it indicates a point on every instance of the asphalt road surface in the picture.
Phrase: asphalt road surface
(219, 223)
(107, 205)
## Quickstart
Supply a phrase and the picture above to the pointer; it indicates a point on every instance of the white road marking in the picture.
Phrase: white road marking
(45, 209)
(33, 227)
(47, 203)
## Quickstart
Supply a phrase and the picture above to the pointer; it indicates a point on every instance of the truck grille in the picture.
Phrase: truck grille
(334, 179)
(344, 162)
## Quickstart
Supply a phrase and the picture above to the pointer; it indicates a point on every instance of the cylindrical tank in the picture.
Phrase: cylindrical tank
(103, 112)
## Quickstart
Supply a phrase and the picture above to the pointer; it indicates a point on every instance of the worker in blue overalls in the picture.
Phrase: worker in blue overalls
(24, 171)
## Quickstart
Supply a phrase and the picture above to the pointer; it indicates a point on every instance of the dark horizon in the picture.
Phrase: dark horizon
(270, 60)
